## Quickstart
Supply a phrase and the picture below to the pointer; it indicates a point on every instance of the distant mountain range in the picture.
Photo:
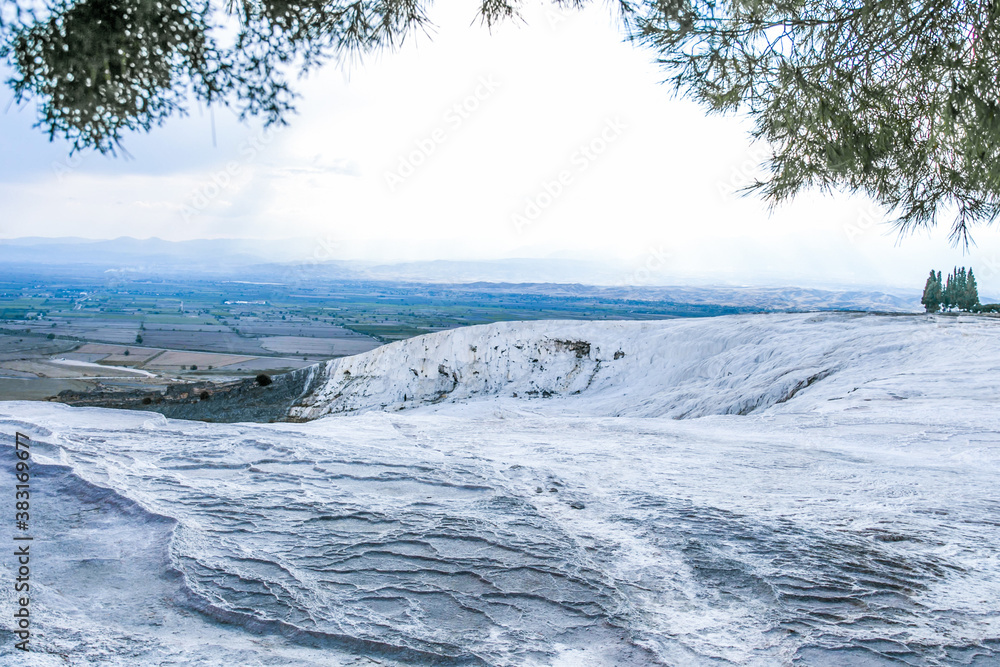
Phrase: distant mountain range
(278, 260)
(208, 254)
(274, 256)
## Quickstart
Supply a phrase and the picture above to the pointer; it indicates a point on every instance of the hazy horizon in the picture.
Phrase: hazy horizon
(652, 270)
(549, 139)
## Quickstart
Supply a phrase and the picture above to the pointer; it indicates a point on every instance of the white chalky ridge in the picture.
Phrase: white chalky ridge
(678, 368)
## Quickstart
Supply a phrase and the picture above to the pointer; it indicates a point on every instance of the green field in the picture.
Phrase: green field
(79, 308)
(150, 332)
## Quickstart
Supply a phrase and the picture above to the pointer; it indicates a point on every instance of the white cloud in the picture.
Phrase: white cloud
(477, 154)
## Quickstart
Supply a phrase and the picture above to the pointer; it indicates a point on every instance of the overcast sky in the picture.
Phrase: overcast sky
(551, 139)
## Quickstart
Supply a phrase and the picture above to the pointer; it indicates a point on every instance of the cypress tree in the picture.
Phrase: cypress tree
(938, 294)
(961, 297)
(958, 290)
(972, 291)
(948, 297)
(932, 293)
